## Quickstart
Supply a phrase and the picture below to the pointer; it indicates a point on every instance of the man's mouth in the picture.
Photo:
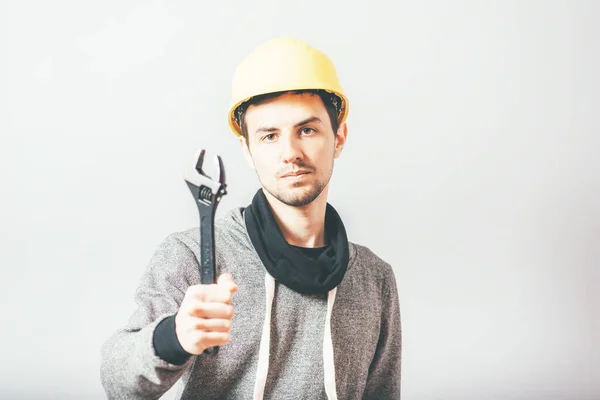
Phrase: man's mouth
(295, 174)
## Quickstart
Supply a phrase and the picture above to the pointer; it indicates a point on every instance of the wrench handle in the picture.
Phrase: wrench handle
(207, 250)
(207, 259)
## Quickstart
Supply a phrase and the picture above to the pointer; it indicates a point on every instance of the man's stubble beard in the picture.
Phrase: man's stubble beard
(286, 196)
(305, 197)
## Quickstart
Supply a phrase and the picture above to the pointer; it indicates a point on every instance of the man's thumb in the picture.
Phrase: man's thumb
(227, 280)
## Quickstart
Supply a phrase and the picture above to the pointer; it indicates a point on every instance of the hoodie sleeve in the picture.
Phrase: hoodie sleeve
(131, 367)
(383, 381)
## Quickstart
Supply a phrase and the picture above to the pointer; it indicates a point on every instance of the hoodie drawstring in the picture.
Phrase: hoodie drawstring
(328, 360)
(265, 340)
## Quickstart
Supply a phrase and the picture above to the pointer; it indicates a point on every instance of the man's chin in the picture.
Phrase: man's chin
(297, 196)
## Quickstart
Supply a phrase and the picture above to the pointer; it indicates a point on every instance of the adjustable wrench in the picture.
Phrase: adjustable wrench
(208, 193)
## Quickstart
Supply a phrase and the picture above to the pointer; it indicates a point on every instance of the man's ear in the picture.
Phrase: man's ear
(246, 151)
(340, 139)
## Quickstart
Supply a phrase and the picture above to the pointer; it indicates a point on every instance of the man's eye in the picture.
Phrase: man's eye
(269, 137)
(307, 131)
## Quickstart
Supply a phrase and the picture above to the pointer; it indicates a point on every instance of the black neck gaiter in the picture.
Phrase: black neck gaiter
(290, 265)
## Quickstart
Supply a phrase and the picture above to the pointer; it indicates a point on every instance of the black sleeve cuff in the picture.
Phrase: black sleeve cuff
(167, 345)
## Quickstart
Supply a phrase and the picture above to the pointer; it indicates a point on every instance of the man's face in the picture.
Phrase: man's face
(292, 147)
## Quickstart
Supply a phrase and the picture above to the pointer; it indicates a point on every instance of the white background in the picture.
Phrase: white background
(472, 167)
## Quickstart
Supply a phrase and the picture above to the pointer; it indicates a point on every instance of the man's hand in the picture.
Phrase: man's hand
(205, 316)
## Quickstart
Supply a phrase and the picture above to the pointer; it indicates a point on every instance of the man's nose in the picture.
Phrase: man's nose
(291, 151)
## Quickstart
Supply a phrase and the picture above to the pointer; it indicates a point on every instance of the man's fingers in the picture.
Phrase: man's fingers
(211, 339)
(211, 310)
(212, 324)
(212, 293)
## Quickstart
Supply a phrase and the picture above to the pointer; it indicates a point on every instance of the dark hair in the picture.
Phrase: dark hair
(332, 102)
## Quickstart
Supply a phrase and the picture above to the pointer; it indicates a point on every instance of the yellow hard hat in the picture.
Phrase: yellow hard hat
(284, 64)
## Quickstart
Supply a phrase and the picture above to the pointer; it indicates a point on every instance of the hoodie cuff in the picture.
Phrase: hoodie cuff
(166, 344)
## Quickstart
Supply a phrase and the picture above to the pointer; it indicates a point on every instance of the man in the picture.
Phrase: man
(298, 311)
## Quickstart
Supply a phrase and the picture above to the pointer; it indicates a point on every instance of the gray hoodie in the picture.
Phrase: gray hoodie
(283, 345)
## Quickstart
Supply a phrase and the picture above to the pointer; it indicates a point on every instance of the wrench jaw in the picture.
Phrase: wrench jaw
(207, 192)
(200, 161)
(221, 170)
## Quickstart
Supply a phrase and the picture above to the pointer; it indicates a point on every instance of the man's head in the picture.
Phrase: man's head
(291, 140)
(289, 110)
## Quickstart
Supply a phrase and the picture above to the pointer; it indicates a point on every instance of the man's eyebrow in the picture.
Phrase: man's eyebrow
(308, 121)
(269, 129)
(266, 129)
